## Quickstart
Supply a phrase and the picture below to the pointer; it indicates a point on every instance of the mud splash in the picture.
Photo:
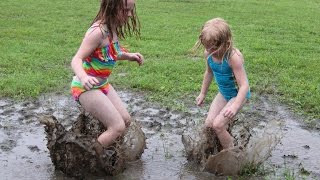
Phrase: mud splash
(202, 146)
(77, 153)
(24, 155)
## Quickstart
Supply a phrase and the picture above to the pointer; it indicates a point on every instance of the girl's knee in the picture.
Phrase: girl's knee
(208, 123)
(218, 127)
(118, 129)
(127, 120)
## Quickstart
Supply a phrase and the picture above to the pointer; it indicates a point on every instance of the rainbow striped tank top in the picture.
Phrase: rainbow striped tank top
(102, 61)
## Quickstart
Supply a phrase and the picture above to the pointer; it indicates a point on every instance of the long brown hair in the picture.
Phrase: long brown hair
(112, 13)
(216, 34)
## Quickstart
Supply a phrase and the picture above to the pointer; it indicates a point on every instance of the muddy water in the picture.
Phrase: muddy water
(23, 152)
(294, 150)
(299, 148)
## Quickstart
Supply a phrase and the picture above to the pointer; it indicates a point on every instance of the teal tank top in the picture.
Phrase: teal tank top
(225, 78)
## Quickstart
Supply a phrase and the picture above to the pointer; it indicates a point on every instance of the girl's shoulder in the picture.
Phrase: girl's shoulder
(205, 54)
(236, 57)
(97, 29)
(95, 36)
(235, 54)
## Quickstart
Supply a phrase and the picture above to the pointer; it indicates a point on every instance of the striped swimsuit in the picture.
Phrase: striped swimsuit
(225, 78)
(99, 64)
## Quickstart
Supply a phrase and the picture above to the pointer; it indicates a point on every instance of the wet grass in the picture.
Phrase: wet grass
(260, 172)
(280, 42)
(289, 175)
(253, 170)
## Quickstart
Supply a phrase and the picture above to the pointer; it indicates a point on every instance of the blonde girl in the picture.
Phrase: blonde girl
(226, 64)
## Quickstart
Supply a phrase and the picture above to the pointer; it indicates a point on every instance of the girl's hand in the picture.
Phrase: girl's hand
(88, 82)
(136, 57)
(200, 99)
(230, 112)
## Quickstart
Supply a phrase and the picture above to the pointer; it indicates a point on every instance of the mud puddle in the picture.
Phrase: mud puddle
(298, 151)
(23, 152)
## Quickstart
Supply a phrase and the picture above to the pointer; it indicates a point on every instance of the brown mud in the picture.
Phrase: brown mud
(77, 153)
(278, 140)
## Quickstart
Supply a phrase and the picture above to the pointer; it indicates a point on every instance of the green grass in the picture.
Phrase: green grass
(279, 39)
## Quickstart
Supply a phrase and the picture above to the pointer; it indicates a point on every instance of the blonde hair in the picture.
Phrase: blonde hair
(216, 34)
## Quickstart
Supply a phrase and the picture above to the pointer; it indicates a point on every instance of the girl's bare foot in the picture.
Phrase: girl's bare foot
(98, 147)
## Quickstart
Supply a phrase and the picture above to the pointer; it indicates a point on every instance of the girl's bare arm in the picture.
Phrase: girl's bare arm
(207, 77)
(237, 65)
(89, 43)
(132, 57)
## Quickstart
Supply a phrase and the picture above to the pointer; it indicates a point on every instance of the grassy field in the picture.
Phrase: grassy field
(279, 39)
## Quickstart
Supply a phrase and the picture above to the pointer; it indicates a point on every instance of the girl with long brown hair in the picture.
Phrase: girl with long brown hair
(95, 60)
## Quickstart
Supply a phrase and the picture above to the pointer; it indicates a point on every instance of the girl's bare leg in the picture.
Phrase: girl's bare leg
(216, 106)
(101, 107)
(218, 122)
(118, 104)
(220, 125)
